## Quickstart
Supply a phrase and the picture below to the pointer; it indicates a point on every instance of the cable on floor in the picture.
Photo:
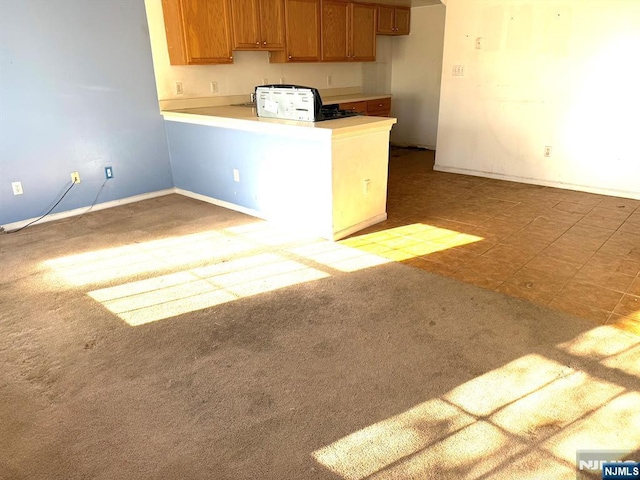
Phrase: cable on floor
(50, 210)
(95, 200)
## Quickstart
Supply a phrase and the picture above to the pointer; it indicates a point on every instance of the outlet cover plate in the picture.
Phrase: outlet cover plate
(17, 188)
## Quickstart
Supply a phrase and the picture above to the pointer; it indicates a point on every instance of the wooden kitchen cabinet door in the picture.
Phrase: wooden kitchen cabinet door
(336, 31)
(348, 31)
(393, 20)
(246, 24)
(272, 24)
(198, 31)
(380, 107)
(363, 32)
(386, 25)
(402, 20)
(258, 24)
(302, 32)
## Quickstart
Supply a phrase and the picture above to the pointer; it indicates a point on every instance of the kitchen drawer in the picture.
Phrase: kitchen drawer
(379, 108)
(359, 107)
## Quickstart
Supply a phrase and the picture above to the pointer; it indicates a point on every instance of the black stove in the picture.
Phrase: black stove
(295, 102)
(332, 112)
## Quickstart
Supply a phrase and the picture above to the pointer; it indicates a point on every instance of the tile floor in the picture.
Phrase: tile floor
(572, 251)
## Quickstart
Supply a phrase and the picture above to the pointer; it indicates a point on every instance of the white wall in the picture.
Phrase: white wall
(377, 75)
(247, 71)
(416, 70)
(564, 73)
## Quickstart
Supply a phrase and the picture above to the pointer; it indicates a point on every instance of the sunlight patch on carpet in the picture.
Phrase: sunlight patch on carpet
(487, 424)
(167, 296)
(339, 257)
(164, 278)
(129, 260)
(599, 342)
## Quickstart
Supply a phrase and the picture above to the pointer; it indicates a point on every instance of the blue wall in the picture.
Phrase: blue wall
(203, 159)
(276, 172)
(77, 93)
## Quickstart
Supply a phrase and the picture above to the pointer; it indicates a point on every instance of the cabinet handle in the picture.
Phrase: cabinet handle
(379, 104)
(230, 58)
(264, 43)
(257, 43)
(289, 57)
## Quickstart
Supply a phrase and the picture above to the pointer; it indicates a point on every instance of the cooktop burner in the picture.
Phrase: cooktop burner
(332, 112)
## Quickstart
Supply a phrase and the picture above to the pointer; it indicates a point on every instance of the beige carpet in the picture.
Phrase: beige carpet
(171, 339)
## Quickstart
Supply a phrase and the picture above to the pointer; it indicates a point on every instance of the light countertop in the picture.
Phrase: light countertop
(245, 118)
(357, 97)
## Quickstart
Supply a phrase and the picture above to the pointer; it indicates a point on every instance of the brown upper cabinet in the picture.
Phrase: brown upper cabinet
(258, 24)
(363, 32)
(348, 31)
(302, 32)
(336, 29)
(393, 20)
(198, 31)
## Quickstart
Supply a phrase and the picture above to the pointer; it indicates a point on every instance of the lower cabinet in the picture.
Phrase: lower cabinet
(374, 108)
(379, 108)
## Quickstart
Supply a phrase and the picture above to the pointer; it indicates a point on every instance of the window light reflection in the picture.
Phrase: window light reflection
(487, 424)
(166, 296)
(182, 274)
(410, 241)
(130, 260)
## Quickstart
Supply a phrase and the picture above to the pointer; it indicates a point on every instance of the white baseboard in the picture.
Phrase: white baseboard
(98, 206)
(535, 181)
(220, 203)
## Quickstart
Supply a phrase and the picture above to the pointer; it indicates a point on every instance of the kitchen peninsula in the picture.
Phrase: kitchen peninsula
(329, 178)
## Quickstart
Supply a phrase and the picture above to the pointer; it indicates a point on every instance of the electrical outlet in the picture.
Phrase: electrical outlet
(265, 81)
(17, 188)
(179, 89)
(329, 81)
(479, 42)
(108, 172)
(236, 175)
(458, 71)
(75, 177)
(214, 87)
(282, 81)
(547, 151)
(367, 185)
